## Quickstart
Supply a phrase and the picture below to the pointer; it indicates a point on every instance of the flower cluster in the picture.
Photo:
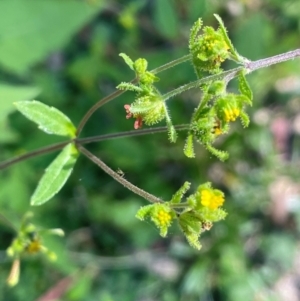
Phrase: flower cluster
(161, 215)
(28, 242)
(209, 49)
(148, 106)
(214, 114)
(194, 216)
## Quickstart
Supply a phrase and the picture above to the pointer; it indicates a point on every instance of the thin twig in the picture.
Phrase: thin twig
(134, 133)
(151, 198)
(58, 146)
(227, 75)
(35, 153)
(120, 92)
(97, 105)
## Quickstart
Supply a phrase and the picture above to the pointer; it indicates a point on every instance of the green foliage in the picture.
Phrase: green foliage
(166, 20)
(49, 119)
(149, 107)
(30, 32)
(28, 242)
(246, 256)
(8, 95)
(55, 176)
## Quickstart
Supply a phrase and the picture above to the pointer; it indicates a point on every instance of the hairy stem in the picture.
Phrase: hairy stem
(227, 75)
(151, 198)
(251, 66)
(171, 64)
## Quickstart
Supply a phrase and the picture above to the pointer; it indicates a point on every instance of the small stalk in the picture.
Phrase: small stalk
(58, 146)
(227, 75)
(172, 64)
(35, 153)
(151, 198)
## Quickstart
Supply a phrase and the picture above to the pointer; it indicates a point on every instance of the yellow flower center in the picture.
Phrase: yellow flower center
(231, 114)
(34, 247)
(211, 200)
(164, 217)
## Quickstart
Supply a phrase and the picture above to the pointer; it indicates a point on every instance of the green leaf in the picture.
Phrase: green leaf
(49, 119)
(55, 175)
(176, 198)
(127, 60)
(31, 30)
(227, 39)
(244, 86)
(166, 19)
(188, 149)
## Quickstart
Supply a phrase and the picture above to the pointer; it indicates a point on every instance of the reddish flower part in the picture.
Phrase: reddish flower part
(127, 109)
(138, 123)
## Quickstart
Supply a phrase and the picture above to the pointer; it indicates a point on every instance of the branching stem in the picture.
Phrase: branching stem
(58, 146)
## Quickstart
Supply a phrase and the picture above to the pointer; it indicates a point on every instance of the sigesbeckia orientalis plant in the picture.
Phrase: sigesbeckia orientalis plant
(212, 117)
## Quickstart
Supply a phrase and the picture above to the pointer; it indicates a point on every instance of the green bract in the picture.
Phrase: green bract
(149, 106)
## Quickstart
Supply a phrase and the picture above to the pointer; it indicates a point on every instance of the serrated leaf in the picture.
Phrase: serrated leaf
(188, 149)
(49, 119)
(176, 198)
(55, 175)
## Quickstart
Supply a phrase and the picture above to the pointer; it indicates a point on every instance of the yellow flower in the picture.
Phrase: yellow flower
(211, 199)
(231, 114)
(163, 217)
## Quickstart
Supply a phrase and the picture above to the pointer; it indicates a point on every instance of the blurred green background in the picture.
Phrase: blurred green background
(65, 54)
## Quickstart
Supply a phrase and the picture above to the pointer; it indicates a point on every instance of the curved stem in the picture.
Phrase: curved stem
(151, 198)
(117, 93)
(97, 105)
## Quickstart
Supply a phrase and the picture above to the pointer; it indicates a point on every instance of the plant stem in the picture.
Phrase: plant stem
(251, 66)
(151, 198)
(117, 93)
(97, 105)
(35, 153)
(58, 146)
(227, 75)
(171, 64)
(133, 133)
